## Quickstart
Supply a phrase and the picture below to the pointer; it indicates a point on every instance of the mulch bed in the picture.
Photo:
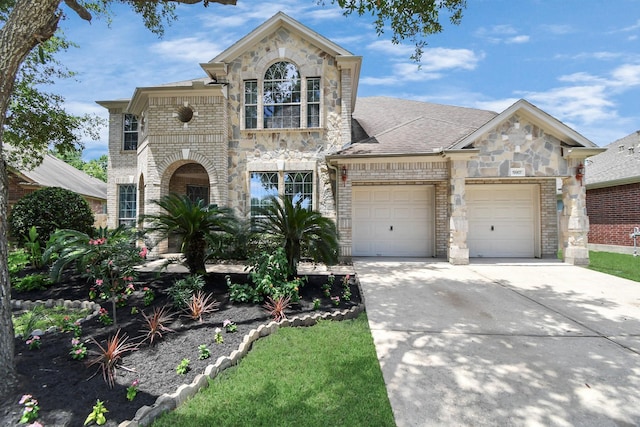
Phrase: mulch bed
(66, 389)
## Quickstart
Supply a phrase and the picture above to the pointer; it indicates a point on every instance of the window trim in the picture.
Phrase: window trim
(282, 185)
(126, 132)
(260, 106)
(133, 191)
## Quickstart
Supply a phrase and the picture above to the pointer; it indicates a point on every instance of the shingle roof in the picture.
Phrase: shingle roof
(618, 165)
(400, 126)
(53, 172)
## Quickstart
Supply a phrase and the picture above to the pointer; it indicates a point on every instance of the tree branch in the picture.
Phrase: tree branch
(79, 9)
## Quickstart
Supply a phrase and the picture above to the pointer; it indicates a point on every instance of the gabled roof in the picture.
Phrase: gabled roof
(618, 165)
(344, 58)
(53, 172)
(398, 126)
(550, 124)
(280, 19)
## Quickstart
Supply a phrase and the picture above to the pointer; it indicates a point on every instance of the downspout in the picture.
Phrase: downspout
(335, 169)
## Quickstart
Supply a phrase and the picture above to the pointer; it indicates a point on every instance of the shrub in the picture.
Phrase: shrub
(49, 209)
(182, 290)
(108, 261)
(242, 292)
(270, 275)
(17, 260)
(31, 282)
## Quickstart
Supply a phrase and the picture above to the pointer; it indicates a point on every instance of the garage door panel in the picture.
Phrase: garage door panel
(501, 220)
(393, 221)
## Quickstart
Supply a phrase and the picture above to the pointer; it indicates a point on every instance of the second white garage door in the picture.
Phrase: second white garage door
(393, 220)
(503, 220)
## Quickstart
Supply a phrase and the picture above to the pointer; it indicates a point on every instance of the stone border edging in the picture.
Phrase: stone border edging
(168, 402)
(50, 303)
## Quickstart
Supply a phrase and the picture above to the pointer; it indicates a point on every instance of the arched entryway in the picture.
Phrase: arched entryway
(192, 180)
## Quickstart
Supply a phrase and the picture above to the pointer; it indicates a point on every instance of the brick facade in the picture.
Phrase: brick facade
(613, 214)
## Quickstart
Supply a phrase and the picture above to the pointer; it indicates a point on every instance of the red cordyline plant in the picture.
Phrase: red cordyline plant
(109, 358)
(277, 306)
(154, 325)
(199, 305)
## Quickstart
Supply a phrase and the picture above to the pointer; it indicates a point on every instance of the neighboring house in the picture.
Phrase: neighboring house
(278, 113)
(613, 195)
(53, 172)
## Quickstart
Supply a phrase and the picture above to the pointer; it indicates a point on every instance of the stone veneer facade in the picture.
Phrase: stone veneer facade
(214, 148)
(215, 138)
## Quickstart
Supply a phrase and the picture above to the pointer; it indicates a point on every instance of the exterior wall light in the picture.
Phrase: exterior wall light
(580, 172)
(343, 174)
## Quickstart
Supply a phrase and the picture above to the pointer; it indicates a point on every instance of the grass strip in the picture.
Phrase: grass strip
(621, 265)
(325, 375)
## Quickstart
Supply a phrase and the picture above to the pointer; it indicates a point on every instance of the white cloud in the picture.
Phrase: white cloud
(433, 59)
(629, 28)
(191, 49)
(501, 34)
(386, 47)
(600, 55)
(627, 75)
(517, 40)
(581, 77)
(442, 59)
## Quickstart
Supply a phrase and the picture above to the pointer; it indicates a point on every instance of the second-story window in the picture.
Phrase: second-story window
(250, 104)
(281, 96)
(313, 102)
(130, 138)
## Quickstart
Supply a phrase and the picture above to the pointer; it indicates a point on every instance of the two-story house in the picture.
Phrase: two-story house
(278, 113)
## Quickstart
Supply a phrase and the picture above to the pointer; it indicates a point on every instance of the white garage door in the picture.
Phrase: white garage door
(503, 220)
(393, 220)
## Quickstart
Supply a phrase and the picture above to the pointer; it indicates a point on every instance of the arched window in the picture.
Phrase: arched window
(281, 96)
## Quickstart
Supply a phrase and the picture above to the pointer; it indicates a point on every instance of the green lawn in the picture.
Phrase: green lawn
(325, 375)
(621, 265)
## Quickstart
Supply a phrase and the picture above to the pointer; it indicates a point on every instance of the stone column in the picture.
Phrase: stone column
(574, 222)
(458, 251)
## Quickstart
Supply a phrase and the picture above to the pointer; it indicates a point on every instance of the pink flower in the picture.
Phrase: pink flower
(135, 383)
(25, 398)
(75, 341)
(143, 252)
(146, 289)
(79, 351)
(99, 282)
(130, 286)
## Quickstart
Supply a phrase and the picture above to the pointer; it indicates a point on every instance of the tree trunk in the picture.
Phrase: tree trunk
(30, 22)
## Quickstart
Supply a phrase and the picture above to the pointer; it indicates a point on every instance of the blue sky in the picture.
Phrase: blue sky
(579, 60)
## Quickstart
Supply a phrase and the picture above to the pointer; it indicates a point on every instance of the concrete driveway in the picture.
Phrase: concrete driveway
(503, 342)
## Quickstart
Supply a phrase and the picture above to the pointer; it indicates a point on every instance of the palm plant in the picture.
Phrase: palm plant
(298, 230)
(198, 227)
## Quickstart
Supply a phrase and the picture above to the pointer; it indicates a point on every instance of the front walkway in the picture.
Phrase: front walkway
(528, 343)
